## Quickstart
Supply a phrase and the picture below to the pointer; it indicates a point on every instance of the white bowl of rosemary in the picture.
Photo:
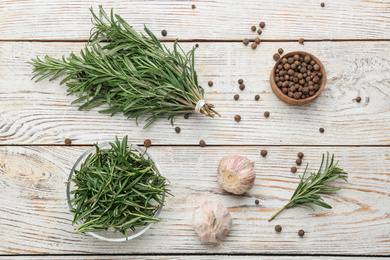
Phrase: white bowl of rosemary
(115, 191)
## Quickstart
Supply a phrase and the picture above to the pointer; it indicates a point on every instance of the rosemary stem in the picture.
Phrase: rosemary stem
(280, 210)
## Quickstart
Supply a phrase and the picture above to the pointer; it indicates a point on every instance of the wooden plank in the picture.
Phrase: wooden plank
(211, 20)
(35, 217)
(190, 257)
(41, 113)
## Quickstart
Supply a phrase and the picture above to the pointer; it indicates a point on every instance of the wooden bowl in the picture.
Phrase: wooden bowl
(278, 92)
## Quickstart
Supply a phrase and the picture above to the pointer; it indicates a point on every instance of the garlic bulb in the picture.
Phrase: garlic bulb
(235, 174)
(212, 222)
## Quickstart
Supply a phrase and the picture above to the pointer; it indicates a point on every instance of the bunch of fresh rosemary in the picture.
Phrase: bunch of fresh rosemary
(117, 188)
(308, 191)
(133, 74)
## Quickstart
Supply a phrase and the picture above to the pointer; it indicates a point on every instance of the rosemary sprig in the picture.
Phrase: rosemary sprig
(117, 188)
(133, 74)
(308, 191)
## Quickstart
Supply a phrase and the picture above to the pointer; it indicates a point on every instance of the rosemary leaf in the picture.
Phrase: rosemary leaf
(308, 190)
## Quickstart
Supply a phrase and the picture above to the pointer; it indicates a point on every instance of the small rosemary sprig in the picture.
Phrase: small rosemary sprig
(308, 190)
(133, 74)
(117, 188)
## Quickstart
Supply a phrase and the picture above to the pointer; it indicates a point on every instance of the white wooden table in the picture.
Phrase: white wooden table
(352, 38)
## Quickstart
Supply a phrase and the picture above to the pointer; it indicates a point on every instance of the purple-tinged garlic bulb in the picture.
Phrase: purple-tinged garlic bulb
(235, 174)
(212, 222)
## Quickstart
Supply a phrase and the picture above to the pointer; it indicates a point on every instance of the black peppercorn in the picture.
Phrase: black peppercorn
(276, 56)
(259, 31)
(236, 97)
(253, 28)
(196, 45)
(257, 97)
(322, 130)
(301, 233)
(177, 129)
(298, 161)
(245, 41)
(263, 153)
(300, 155)
(257, 202)
(240, 81)
(301, 41)
(193, 6)
(68, 141)
(266, 114)
(210, 83)
(257, 40)
(202, 143)
(186, 116)
(293, 169)
(280, 50)
(164, 32)
(242, 86)
(358, 99)
(278, 228)
(254, 45)
(322, 4)
(147, 143)
(262, 24)
(237, 118)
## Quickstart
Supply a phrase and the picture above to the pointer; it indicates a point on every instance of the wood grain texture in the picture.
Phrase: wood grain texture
(41, 113)
(211, 20)
(189, 257)
(35, 217)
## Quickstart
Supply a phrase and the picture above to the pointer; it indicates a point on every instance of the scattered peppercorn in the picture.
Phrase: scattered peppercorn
(236, 97)
(263, 153)
(245, 41)
(299, 161)
(237, 118)
(202, 143)
(293, 169)
(301, 41)
(253, 28)
(280, 50)
(254, 45)
(196, 45)
(68, 141)
(300, 155)
(322, 4)
(301, 233)
(276, 56)
(164, 32)
(257, 97)
(242, 86)
(193, 6)
(240, 81)
(278, 228)
(322, 130)
(257, 40)
(262, 24)
(266, 114)
(259, 31)
(177, 129)
(186, 116)
(147, 143)
(211, 83)
(257, 202)
(358, 99)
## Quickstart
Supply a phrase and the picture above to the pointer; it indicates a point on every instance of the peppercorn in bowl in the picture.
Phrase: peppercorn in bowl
(298, 78)
(115, 191)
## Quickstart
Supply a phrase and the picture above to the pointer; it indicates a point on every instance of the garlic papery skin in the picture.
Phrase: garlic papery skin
(212, 222)
(236, 174)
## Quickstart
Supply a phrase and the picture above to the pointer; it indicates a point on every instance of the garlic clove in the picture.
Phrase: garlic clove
(212, 222)
(236, 174)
